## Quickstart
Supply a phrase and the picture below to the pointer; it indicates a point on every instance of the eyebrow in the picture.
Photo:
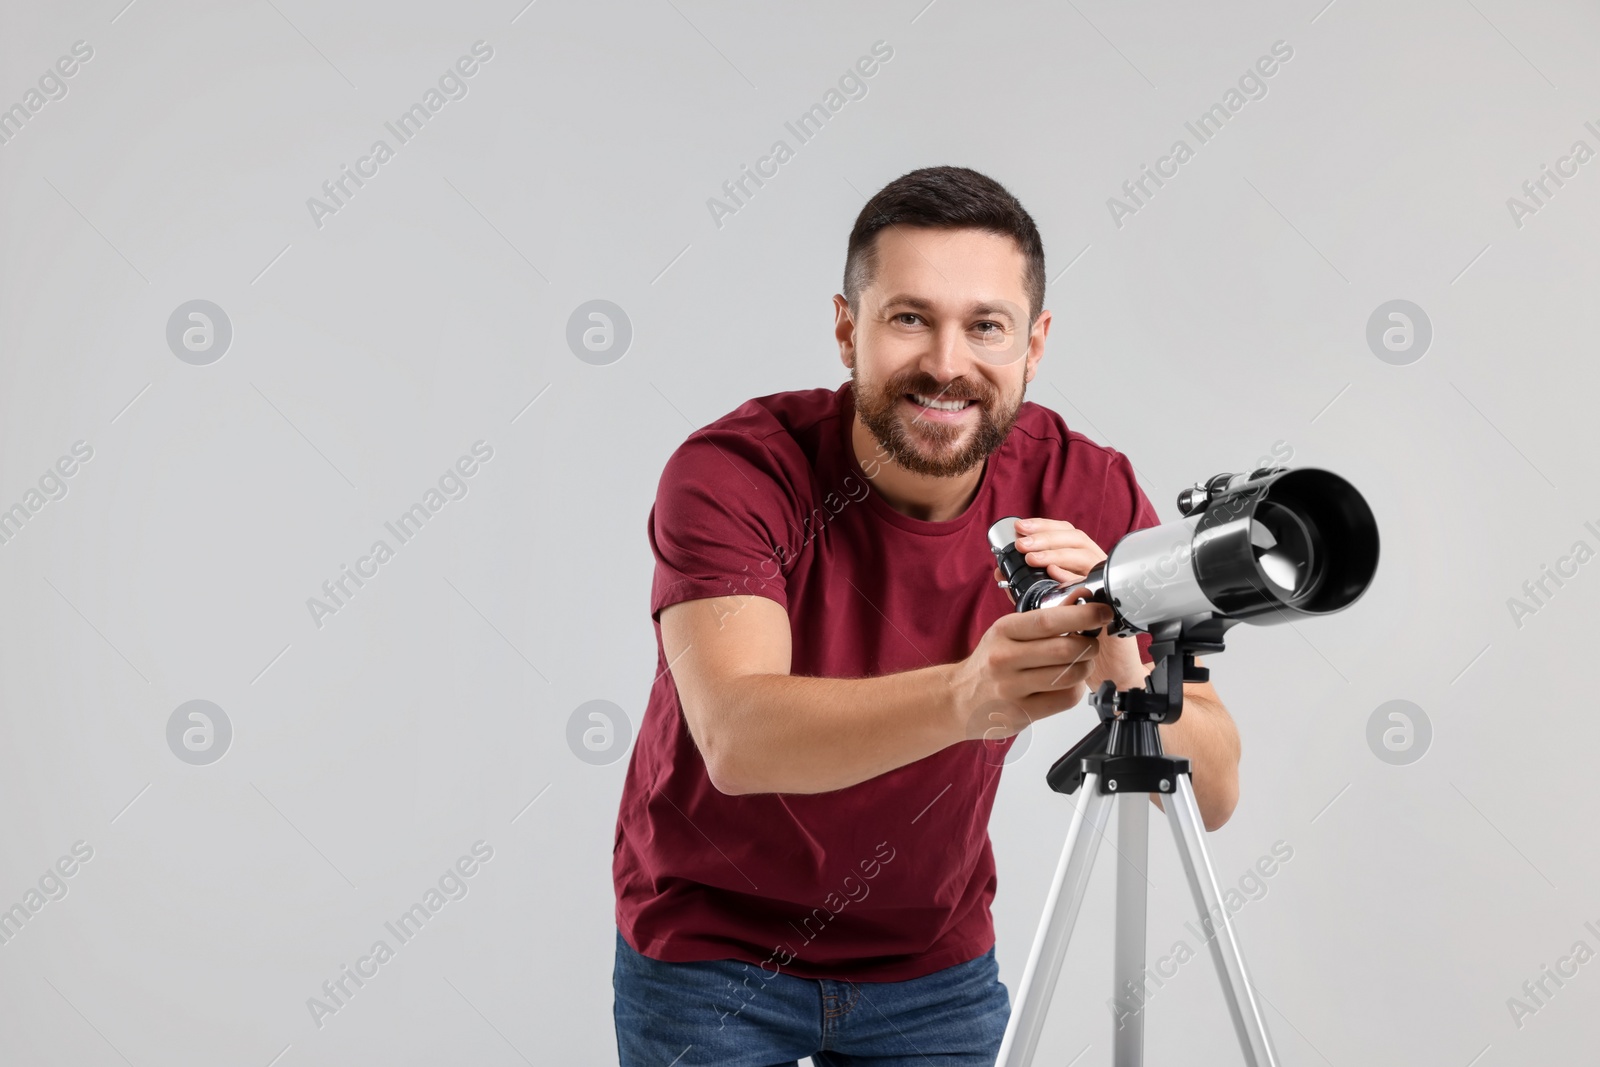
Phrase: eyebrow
(919, 304)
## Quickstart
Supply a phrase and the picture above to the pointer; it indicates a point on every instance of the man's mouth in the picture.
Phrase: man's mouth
(940, 405)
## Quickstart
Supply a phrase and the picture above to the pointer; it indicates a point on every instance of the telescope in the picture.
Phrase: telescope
(1268, 546)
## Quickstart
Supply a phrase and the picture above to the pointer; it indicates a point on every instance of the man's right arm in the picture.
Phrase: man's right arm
(760, 729)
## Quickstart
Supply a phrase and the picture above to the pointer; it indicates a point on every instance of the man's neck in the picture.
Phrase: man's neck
(919, 496)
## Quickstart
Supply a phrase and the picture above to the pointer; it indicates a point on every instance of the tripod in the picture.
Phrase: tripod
(1121, 760)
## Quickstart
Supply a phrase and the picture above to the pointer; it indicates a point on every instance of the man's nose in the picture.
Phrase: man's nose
(948, 356)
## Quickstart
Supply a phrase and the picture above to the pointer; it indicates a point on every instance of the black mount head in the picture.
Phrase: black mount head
(1125, 748)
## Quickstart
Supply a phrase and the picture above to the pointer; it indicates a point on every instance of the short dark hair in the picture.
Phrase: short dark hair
(944, 198)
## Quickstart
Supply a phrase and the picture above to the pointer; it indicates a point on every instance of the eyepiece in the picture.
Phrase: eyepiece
(1003, 534)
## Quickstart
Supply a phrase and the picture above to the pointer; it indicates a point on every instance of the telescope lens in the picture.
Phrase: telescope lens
(1298, 542)
(1282, 547)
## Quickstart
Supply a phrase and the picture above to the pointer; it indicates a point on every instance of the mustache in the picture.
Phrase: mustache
(960, 389)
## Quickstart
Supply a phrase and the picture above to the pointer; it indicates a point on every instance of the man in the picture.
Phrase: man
(802, 857)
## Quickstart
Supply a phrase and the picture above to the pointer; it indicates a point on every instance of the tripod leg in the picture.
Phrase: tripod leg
(1248, 1021)
(1055, 926)
(1128, 992)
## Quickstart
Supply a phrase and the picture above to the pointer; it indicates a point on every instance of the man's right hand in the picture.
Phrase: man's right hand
(1028, 665)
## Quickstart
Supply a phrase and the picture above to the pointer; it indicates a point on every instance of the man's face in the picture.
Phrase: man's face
(941, 350)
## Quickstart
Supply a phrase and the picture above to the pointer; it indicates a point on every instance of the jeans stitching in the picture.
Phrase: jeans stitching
(828, 1029)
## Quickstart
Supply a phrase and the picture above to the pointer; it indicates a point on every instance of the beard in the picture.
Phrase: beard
(923, 446)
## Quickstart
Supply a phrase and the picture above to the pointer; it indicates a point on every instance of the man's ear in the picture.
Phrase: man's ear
(844, 331)
(1036, 339)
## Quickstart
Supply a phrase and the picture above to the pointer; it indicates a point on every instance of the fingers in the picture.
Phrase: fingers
(1079, 558)
(1053, 679)
(1049, 533)
(1034, 525)
(1053, 621)
(1052, 652)
(1056, 542)
(1057, 547)
(1062, 575)
(1041, 705)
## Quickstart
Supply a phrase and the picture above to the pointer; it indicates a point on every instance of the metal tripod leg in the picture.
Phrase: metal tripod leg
(1248, 1022)
(1133, 856)
(1066, 897)
(1060, 914)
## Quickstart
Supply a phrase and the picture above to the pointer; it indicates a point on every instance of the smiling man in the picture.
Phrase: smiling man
(802, 858)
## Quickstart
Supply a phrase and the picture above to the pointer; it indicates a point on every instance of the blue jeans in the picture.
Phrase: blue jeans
(732, 1014)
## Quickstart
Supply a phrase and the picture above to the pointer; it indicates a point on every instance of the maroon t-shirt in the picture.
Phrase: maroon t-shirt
(890, 878)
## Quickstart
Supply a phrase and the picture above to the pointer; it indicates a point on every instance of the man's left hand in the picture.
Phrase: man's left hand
(1067, 554)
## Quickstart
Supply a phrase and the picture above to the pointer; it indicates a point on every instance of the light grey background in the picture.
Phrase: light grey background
(1228, 315)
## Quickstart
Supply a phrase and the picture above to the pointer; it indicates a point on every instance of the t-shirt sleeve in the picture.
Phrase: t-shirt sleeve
(720, 522)
(1124, 496)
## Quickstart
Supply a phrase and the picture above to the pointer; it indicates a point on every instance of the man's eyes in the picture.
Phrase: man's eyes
(908, 318)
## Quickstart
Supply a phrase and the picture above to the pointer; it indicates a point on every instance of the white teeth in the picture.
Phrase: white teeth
(939, 405)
